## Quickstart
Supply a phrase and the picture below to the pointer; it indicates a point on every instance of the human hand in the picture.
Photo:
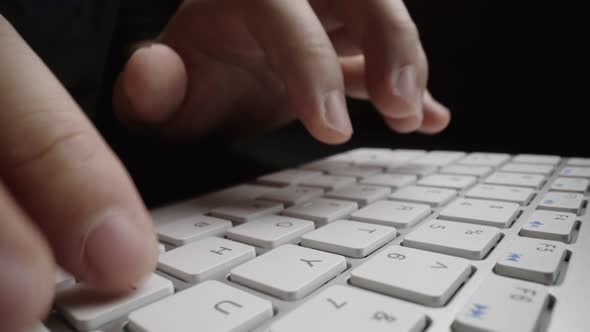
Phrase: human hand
(244, 66)
(64, 197)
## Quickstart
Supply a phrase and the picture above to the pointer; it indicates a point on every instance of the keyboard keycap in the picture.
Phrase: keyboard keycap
(161, 248)
(576, 172)
(209, 258)
(191, 229)
(424, 195)
(86, 309)
(63, 279)
(518, 195)
(439, 158)
(503, 304)
(484, 159)
(515, 179)
(347, 309)
(448, 181)
(329, 182)
(293, 195)
(289, 272)
(563, 202)
(324, 165)
(211, 306)
(481, 212)
(532, 260)
(411, 274)
(395, 214)
(536, 159)
(288, 177)
(550, 225)
(355, 171)
(414, 169)
(384, 157)
(576, 185)
(390, 180)
(360, 193)
(322, 210)
(349, 238)
(479, 171)
(247, 211)
(543, 169)
(454, 238)
(271, 232)
(584, 162)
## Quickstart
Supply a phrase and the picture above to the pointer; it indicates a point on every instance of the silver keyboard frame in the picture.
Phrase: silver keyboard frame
(570, 295)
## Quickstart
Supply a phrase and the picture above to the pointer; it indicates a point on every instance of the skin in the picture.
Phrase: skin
(229, 66)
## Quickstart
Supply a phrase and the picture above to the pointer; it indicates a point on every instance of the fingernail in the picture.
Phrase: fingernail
(20, 284)
(405, 85)
(335, 113)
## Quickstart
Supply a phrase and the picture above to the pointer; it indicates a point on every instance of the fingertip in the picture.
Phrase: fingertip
(436, 116)
(405, 125)
(329, 122)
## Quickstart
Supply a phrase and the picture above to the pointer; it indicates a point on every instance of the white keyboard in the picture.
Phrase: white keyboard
(367, 240)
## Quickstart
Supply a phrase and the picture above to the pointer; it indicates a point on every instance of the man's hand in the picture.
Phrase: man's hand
(241, 66)
(63, 195)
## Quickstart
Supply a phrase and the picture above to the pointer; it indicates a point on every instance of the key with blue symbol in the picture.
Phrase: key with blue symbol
(550, 225)
(563, 202)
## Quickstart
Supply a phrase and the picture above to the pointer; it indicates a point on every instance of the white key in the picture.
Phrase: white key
(414, 169)
(479, 171)
(454, 238)
(323, 165)
(387, 158)
(425, 195)
(448, 181)
(271, 232)
(413, 275)
(532, 259)
(329, 182)
(485, 159)
(564, 202)
(289, 272)
(390, 180)
(293, 195)
(288, 177)
(247, 211)
(516, 179)
(349, 238)
(550, 225)
(439, 158)
(209, 258)
(355, 171)
(161, 248)
(363, 194)
(348, 309)
(322, 210)
(191, 229)
(579, 162)
(63, 279)
(576, 172)
(211, 306)
(543, 169)
(87, 309)
(395, 214)
(503, 304)
(536, 159)
(577, 185)
(481, 212)
(518, 195)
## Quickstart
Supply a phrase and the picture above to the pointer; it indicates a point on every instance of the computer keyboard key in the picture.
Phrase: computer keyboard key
(161, 248)
(439, 158)
(577, 185)
(289, 272)
(518, 195)
(576, 172)
(585, 162)
(362, 194)
(448, 181)
(288, 177)
(563, 202)
(87, 308)
(324, 165)
(293, 195)
(349, 238)
(479, 171)
(550, 225)
(536, 159)
(205, 259)
(454, 238)
(484, 159)
(391, 213)
(355, 171)
(247, 211)
(190, 229)
(348, 309)
(390, 180)
(322, 210)
(411, 274)
(329, 182)
(532, 259)
(481, 212)
(413, 169)
(503, 304)
(543, 169)
(424, 195)
(534, 181)
(63, 279)
(211, 306)
(271, 231)
(384, 159)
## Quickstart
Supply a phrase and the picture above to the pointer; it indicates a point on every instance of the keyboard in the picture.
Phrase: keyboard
(367, 240)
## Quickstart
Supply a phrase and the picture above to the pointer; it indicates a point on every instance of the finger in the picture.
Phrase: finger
(65, 177)
(152, 85)
(344, 45)
(436, 116)
(26, 269)
(300, 51)
(353, 69)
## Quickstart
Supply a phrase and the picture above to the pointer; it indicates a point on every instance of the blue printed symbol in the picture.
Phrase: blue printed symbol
(478, 311)
(548, 202)
(536, 224)
(513, 257)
